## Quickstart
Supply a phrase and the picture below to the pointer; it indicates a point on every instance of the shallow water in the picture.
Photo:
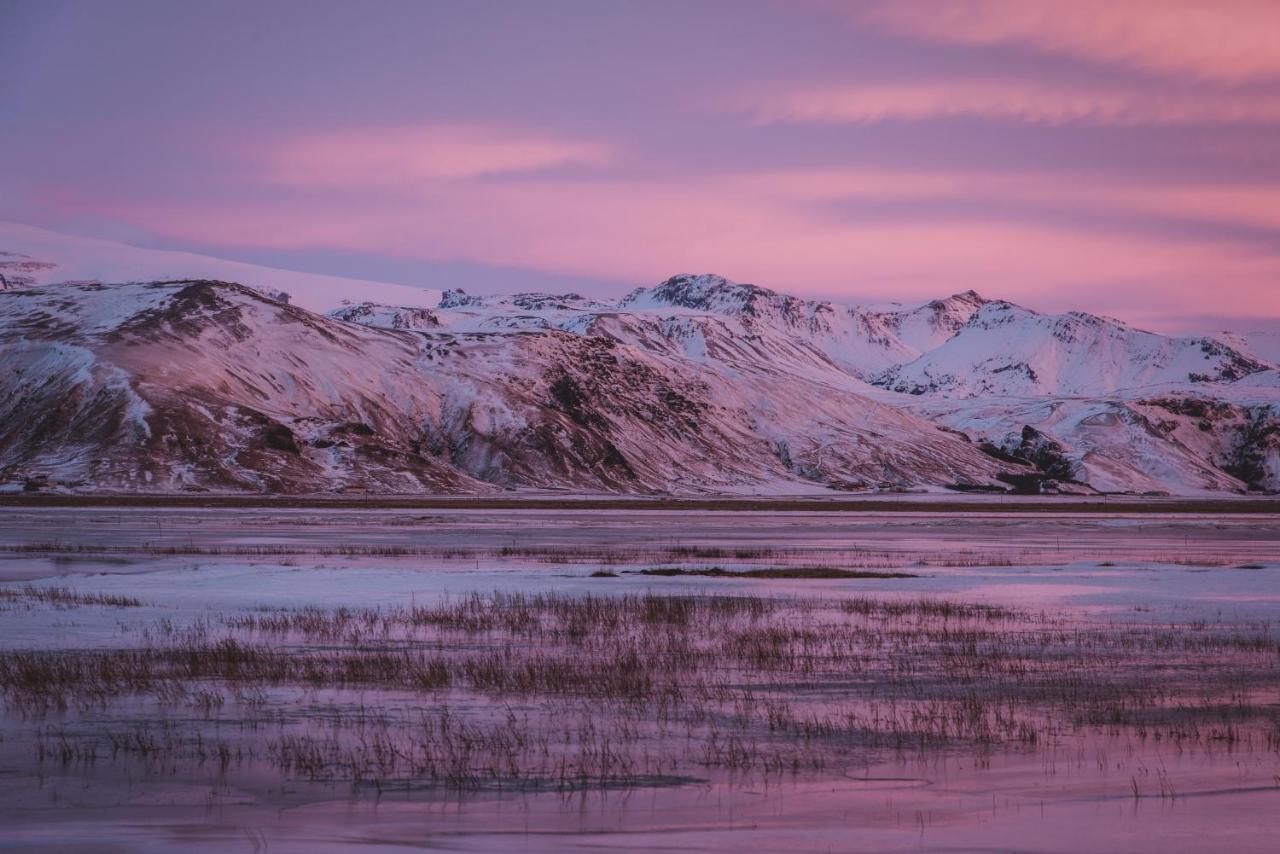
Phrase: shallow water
(1084, 791)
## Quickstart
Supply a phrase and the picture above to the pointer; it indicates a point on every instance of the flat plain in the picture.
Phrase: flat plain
(303, 678)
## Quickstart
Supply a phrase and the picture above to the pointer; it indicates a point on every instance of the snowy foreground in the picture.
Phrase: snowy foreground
(498, 680)
(135, 370)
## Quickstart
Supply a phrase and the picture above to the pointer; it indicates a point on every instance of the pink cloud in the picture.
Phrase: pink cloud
(1253, 205)
(392, 157)
(1229, 41)
(1008, 100)
(765, 228)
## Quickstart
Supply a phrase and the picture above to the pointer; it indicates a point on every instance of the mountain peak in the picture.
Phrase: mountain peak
(1010, 351)
(457, 298)
(529, 301)
(711, 293)
(969, 299)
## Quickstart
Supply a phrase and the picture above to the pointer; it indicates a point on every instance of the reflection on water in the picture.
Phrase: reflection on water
(303, 681)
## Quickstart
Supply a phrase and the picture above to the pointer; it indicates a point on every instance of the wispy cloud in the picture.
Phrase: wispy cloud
(1098, 154)
(1230, 41)
(1026, 101)
(382, 157)
(1255, 205)
(789, 230)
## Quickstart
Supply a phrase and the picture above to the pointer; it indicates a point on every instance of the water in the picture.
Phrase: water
(1096, 788)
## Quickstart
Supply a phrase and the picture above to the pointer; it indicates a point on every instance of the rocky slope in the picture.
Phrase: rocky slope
(1085, 402)
(696, 384)
(207, 385)
(1006, 350)
(1182, 444)
(861, 340)
(1122, 410)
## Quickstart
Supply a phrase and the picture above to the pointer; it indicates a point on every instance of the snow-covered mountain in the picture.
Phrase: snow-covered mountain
(698, 384)
(1260, 344)
(1085, 401)
(34, 256)
(200, 384)
(1183, 444)
(1006, 350)
(861, 340)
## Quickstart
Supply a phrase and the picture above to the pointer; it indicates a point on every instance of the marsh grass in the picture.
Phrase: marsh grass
(775, 572)
(571, 692)
(658, 554)
(65, 597)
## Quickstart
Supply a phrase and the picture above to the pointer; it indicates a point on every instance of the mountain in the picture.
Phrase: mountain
(1182, 444)
(1009, 351)
(698, 384)
(745, 329)
(1263, 345)
(1096, 401)
(209, 385)
(861, 340)
(1084, 401)
(33, 256)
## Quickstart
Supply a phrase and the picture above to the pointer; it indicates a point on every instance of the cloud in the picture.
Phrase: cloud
(1021, 101)
(1255, 205)
(1227, 41)
(777, 229)
(390, 157)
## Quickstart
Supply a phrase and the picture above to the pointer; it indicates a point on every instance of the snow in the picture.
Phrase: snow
(91, 259)
(1024, 799)
(699, 384)
(1260, 343)
(547, 408)
(861, 340)
(1007, 350)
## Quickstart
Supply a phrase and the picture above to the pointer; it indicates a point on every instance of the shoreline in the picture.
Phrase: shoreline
(923, 503)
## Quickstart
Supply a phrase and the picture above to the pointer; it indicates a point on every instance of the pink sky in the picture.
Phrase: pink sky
(1113, 157)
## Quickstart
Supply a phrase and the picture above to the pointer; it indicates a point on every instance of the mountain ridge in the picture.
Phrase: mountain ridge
(209, 385)
(454, 392)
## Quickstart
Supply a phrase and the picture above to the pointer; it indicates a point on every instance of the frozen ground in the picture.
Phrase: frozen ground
(1174, 600)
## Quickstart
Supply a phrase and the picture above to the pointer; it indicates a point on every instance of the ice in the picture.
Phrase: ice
(1096, 788)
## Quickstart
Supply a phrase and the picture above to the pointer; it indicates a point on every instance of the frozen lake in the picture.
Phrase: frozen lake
(202, 679)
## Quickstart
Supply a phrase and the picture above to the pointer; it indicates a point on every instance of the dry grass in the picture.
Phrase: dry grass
(572, 692)
(658, 555)
(65, 597)
(777, 572)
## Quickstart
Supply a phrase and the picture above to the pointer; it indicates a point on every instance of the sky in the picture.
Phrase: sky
(1116, 157)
